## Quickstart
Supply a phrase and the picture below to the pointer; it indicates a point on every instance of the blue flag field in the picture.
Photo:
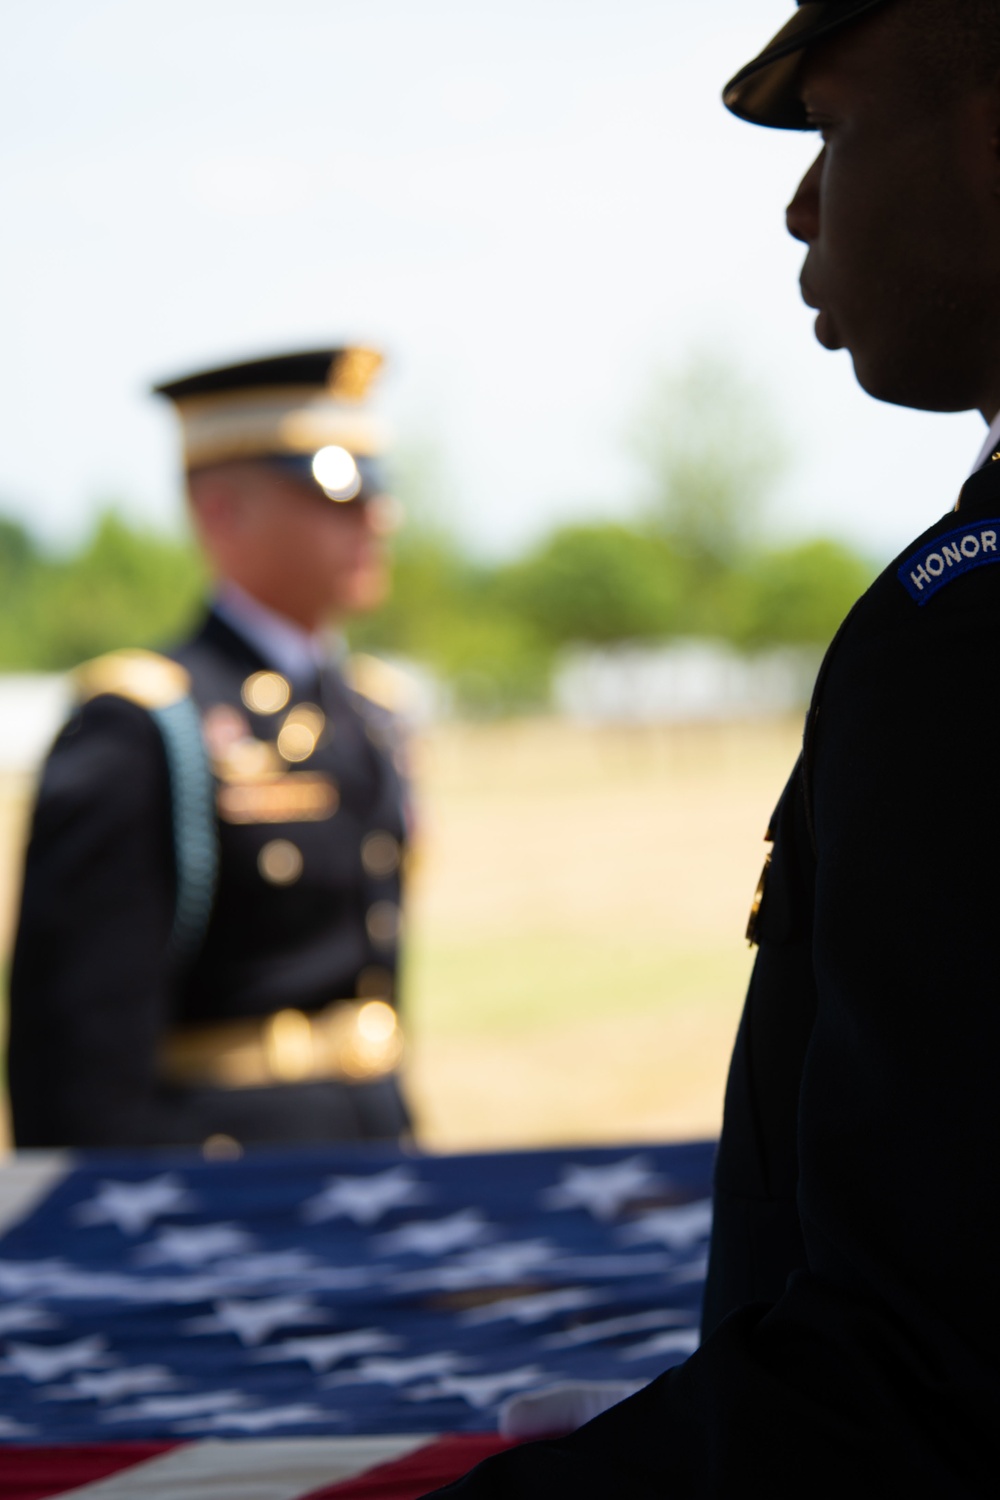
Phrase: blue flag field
(163, 1298)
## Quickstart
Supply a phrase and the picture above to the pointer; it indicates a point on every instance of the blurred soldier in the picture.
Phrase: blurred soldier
(208, 936)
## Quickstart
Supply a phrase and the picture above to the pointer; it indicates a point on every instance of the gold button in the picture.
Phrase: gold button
(300, 732)
(380, 854)
(280, 862)
(265, 692)
(382, 922)
(221, 1148)
(374, 983)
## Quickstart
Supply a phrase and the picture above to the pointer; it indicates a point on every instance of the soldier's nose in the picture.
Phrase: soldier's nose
(802, 214)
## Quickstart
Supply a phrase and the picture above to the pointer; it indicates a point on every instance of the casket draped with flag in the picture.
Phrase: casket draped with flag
(324, 1322)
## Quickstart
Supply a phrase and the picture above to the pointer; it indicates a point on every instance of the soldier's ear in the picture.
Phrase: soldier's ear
(216, 503)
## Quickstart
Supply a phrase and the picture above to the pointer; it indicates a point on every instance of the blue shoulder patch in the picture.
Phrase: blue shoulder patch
(940, 561)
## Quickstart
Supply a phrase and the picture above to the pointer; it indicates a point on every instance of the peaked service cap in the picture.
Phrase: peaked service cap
(764, 91)
(307, 411)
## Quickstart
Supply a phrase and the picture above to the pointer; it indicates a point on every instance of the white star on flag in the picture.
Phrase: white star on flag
(491, 1265)
(679, 1228)
(435, 1236)
(691, 1270)
(114, 1385)
(20, 1276)
(195, 1246)
(175, 1408)
(15, 1430)
(610, 1328)
(259, 1421)
(254, 1321)
(479, 1391)
(40, 1362)
(133, 1206)
(325, 1351)
(532, 1309)
(365, 1199)
(603, 1191)
(677, 1340)
(24, 1318)
(398, 1371)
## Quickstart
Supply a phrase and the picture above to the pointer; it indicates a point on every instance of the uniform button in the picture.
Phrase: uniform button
(382, 922)
(374, 983)
(380, 854)
(221, 1148)
(265, 692)
(298, 736)
(280, 862)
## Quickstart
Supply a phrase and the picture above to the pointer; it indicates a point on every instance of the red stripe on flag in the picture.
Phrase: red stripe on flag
(427, 1469)
(38, 1473)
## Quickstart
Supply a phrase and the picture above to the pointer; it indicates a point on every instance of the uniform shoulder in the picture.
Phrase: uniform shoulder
(381, 683)
(142, 677)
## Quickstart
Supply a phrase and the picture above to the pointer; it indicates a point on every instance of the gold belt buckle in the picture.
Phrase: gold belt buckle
(352, 1040)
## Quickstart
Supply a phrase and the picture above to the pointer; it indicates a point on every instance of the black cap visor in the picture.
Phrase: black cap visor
(765, 92)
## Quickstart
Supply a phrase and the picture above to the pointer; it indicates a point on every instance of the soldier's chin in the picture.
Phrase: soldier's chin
(826, 331)
(367, 589)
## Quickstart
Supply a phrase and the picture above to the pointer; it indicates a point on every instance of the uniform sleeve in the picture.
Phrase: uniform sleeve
(875, 1369)
(89, 981)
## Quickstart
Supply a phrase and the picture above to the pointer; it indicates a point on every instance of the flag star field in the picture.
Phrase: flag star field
(165, 1298)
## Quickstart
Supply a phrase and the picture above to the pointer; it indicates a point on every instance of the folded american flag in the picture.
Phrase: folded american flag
(168, 1322)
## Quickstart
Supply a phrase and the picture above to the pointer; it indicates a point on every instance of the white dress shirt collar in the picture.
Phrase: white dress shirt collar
(284, 645)
(992, 442)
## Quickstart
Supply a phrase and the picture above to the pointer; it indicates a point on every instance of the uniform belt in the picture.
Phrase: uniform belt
(351, 1040)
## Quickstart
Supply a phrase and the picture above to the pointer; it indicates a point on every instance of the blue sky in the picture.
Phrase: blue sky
(530, 206)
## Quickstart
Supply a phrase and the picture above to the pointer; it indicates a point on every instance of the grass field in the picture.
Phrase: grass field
(576, 961)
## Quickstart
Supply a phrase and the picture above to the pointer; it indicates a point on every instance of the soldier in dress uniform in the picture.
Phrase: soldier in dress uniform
(852, 1314)
(208, 937)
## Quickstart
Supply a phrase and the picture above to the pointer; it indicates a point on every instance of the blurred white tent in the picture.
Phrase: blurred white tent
(684, 682)
(32, 707)
(687, 681)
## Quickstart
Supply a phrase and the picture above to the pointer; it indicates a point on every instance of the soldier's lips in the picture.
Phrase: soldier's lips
(822, 326)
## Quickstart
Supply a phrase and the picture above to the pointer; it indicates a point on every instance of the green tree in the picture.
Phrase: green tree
(597, 582)
(125, 586)
(711, 453)
(17, 550)
(19, 565)
(799, 594)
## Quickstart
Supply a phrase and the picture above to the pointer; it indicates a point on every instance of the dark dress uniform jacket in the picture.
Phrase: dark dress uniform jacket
(96, 986)
(852, 1317)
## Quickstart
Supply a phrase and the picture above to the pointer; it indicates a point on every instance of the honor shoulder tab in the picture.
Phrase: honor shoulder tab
(142, 677)
(927, 571)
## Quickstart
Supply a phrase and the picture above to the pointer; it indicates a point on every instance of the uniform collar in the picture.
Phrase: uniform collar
(991, 444)
(284, 645)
